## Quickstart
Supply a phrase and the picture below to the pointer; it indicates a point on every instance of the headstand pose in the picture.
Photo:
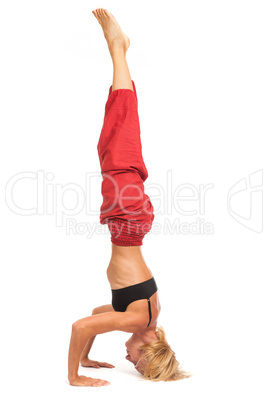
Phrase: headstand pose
(129, 214)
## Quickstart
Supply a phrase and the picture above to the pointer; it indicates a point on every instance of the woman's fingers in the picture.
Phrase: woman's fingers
(83, 381)
(106, 365)
(95, 364)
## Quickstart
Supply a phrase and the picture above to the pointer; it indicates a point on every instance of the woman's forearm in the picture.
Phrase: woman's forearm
(78, 342)
(87, 348)
(73, 361)
(97, 310)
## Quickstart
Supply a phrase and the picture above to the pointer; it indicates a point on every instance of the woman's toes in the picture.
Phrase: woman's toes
(97, 16)
(105, 14)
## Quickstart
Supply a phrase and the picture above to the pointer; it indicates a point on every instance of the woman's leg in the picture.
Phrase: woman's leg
(118, 44)
(126, 208)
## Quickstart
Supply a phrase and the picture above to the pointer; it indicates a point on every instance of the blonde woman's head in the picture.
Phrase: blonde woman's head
(155, 359)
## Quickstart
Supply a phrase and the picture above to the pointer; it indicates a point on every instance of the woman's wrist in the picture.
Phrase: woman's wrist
(84, 357)
(72, 378)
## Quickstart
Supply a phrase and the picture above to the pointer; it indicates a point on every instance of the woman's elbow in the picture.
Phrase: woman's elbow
(77, 326)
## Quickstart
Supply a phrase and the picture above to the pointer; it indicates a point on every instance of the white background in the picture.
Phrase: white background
(200, 69)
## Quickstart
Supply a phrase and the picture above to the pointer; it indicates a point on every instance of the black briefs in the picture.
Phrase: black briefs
(121, 298)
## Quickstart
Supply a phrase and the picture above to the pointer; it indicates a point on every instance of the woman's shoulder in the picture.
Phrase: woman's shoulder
(140, 311)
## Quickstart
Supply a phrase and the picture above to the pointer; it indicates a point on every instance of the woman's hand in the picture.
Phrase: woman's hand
(82, 381)
(86, 362)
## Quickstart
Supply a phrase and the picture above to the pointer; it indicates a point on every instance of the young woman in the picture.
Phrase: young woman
(129, 214)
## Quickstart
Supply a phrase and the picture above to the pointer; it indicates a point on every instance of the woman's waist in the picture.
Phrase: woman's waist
(122, 273)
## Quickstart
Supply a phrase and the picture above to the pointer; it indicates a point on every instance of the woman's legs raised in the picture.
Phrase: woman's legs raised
(118, 44)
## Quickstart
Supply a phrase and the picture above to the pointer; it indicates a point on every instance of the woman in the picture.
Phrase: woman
(129, 214)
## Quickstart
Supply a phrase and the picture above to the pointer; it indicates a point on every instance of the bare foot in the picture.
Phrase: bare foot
(114, 35)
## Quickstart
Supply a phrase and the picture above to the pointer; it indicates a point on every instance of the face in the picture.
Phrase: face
(133, 352)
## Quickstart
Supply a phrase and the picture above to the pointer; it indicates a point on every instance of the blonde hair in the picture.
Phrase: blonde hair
(160, 361)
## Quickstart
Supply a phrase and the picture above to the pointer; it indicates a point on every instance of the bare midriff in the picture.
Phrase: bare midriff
(127, 267)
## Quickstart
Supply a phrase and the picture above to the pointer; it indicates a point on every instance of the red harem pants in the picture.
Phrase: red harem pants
(126, 209)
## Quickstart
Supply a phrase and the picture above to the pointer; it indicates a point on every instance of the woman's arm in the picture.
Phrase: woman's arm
(85, 328)
(97, 310)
